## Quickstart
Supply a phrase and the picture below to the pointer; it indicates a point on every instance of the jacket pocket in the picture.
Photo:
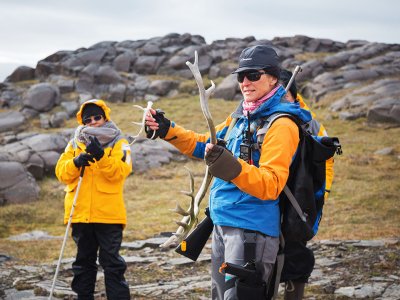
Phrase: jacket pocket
(108, 187)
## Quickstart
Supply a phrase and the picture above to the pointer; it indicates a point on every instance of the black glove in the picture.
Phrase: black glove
(83, 159)
(163, 126)
(95, 148)
(222, 163)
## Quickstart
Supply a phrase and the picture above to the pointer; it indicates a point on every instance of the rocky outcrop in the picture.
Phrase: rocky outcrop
(129, 71)
(121, 71)
(379, 102)
(37, 152)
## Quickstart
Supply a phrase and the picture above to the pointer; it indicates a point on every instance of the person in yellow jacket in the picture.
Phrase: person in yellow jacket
(299, 260)
(99, 216)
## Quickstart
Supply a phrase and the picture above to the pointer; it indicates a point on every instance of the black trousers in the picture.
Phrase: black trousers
(105, 239)
(299, 262)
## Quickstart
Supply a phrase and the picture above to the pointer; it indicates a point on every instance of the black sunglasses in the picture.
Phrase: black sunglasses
(252, 76)
(89, 120)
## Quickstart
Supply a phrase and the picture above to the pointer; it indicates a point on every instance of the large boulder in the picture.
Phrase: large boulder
(21, 73)
(17, 185)
(11, 121)
(9, 97)
(386, 111)
(147, 154)
(42, 97)
(81, 59)
(227, 88)
(148, 64)
(123, 62)
(85, 81)
(106, 75)
(163, 87)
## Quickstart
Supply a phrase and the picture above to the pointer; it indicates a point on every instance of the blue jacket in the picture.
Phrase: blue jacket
(250, 201)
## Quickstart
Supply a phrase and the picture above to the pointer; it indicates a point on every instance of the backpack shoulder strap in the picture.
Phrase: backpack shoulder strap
(267, 123)
(260, 138)
(228, 132)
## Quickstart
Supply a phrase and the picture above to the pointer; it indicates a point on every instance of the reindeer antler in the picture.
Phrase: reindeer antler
(189, 219)
(142, 124)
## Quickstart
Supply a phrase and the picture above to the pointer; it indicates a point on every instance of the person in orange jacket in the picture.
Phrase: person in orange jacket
(99, 216)
(299, 260)
(244, 196)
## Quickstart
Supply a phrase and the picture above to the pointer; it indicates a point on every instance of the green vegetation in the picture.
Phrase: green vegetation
(364, 203)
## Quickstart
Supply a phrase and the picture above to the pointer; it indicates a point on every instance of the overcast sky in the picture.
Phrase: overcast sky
(30, 30)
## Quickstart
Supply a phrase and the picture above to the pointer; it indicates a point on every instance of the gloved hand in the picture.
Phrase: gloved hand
(83, 159)
(163, 126)
(95, 148)
(222, 163)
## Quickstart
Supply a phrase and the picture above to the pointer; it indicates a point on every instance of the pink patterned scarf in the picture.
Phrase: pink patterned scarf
(251, 106)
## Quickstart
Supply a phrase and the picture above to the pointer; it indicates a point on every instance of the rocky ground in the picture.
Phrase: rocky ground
(347, 269)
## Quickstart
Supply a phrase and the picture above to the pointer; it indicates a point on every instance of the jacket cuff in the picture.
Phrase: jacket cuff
(226, 166)
(171, 132)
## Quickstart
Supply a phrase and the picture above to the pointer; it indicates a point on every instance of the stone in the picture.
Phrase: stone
(18, 185)
(392, 292)
(42, 97)
(106, 75)
(11, 121)
(369, 244)
(21, 73)
(123, 62)
(32, 236)
(58, 119)
(162, 87)
(227, 88)
(138, 259)
(71, 107)
(385, 151)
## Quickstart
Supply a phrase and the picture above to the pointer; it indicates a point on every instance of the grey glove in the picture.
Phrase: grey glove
(222, 163)
(83, 159)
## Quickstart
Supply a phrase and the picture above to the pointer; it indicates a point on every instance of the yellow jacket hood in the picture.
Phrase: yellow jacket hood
(99, 103)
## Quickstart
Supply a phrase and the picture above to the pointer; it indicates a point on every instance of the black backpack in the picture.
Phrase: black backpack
(302, 199)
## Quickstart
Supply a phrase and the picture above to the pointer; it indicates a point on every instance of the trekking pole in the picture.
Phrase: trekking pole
(296, 70)
(66, 232)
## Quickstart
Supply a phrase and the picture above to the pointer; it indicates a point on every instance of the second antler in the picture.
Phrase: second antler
(189, 219)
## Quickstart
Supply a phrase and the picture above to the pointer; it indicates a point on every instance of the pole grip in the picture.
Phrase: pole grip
(296, 70)
(82, 171)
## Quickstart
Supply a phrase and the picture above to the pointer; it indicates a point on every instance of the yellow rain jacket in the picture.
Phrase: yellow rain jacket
(100, 198)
